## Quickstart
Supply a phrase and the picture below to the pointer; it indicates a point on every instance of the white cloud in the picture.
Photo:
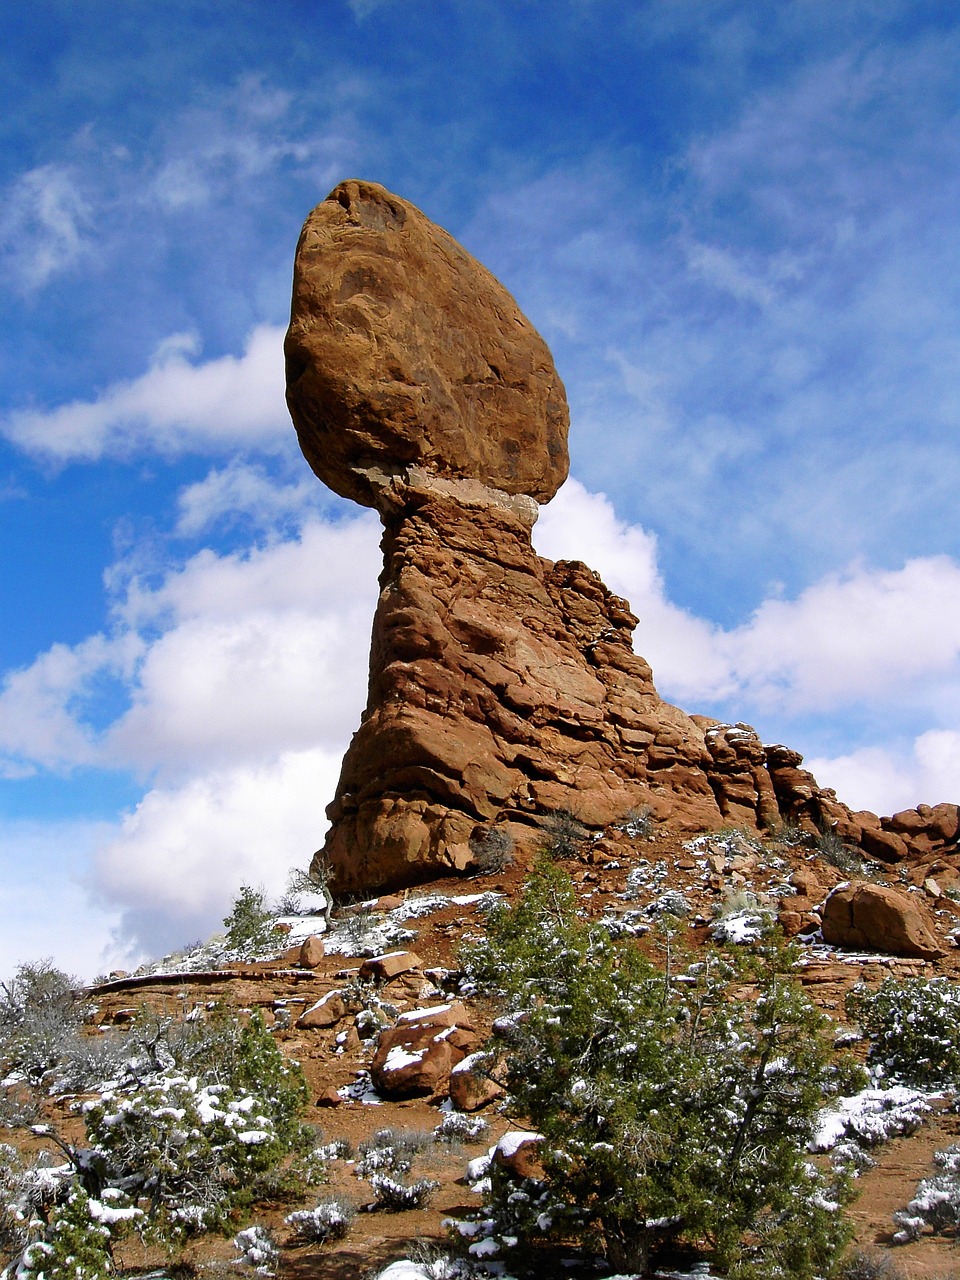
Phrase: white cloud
(41, 720)
(231, 658)
(866, 634)
(884, 640)
(45, 903)
(43, 225)
(245, 676)
(886, 779)
(176, 407)
(178, 860)
(241, 490)
(579, 525)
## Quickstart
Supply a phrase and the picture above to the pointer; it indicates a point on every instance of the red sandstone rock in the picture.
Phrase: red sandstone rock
(325, 1013)
(471, 1090)
(871, 917)
(383, 968)
(416, 1056)
(518, 1152)
(403, 350)
(502, 686)
(311, 952)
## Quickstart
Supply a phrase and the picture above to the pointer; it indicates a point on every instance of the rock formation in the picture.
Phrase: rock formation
(502, 686)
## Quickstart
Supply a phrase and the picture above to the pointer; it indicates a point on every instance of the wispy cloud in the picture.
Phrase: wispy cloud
(178, 406)
(45, 225)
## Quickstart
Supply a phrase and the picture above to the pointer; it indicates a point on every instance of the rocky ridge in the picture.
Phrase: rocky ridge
(503, 687)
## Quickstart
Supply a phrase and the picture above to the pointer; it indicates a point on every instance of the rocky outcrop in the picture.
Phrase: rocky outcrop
(502, 686)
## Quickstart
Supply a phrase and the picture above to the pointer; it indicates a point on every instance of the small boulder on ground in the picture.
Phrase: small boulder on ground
(518, 1153)
(325, 1013)
(311, 952)
(415, 1057)
(390, 965)
(873, 917)
(471, 1089)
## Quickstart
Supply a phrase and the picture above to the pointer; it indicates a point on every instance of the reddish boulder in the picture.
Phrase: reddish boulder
(872, 917)
(404, 351)
(390, 965)
(471, 1089)
(416, 1056)
(311, 952)
(325, 1013)
(519, 1153)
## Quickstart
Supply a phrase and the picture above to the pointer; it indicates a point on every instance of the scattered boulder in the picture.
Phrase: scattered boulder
(311, 952)
(872, 917)
(325, 1013)
(390, 965)
(415, 1057)
(470, 1089)
(518, 1153)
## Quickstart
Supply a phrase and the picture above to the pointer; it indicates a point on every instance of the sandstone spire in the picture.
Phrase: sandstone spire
(502, 686)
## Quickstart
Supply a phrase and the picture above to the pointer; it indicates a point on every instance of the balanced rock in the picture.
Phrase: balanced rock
(403, 350)
(503, 687)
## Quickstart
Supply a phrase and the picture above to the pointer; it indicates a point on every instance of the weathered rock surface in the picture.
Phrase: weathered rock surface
(873, 917)
(416, 1056)
(403, 350)
(502, 686)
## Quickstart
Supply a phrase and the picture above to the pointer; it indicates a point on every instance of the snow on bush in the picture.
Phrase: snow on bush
(457, 1126)
(914, 1028)
(329, 1220)
(936, 1203)
(257, 1249)
(870, 1117)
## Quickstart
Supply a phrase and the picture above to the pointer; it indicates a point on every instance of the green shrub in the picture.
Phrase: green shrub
(669, 1108)
(250, 925)
(914, 1028)
(74, 1246)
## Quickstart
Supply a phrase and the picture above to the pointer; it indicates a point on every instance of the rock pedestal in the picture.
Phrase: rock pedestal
(502, 686)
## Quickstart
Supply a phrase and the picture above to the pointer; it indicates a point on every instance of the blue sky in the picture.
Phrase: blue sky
(735, 224)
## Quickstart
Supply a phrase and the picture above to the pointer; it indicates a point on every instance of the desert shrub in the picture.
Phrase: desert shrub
(492, 849)
(38, 1012)
(914, 1028)
(667, 1108)
(393, 1150)
(386, 1161)
(74, 1246)
(329, 1220)
(936, 1203)
(869, 1264)
(832, 849)
(457, 1126)
(395, 1195)
(257, 1249)
(638, 823)
(564, 835)
(250, 924)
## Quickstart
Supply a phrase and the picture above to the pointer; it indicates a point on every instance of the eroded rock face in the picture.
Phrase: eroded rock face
(502, 686)
(403, 350)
